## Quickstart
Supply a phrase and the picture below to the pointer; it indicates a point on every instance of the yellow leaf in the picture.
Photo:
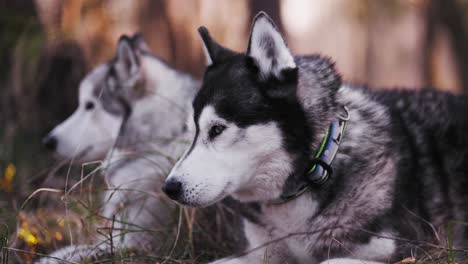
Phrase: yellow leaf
(27, 236)
(7, 181)
(10, 172)
(58, 236)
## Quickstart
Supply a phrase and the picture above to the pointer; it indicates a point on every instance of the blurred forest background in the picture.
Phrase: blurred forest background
(47, 46)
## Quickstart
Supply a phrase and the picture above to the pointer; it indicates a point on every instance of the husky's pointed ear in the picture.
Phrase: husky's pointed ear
(126, 56)
(268, 48)
(213, 51)
(139, 43)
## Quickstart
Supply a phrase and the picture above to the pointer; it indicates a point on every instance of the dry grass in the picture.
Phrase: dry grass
(52, 218)
(48, 219)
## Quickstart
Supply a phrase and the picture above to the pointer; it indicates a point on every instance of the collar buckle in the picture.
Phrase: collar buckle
(321, 169)
(321, 172)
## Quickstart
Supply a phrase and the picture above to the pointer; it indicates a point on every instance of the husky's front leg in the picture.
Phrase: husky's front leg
(256, 256)
(258, 249)
(237, 260)
(349, 261)
(251, 254)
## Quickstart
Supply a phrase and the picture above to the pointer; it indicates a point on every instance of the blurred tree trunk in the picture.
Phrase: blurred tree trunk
(428, 44)
(447, 13)
(452, 18)
(403, 25)
(157, 30)
(38, 84)
(15, 17)
(271, 7)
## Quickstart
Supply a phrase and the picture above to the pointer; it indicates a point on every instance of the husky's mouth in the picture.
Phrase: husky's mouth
(84, 152)
(78, 157)
(223, 194)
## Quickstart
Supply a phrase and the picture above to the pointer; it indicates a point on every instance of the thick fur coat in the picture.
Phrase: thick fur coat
(140, 105)
(399, 178)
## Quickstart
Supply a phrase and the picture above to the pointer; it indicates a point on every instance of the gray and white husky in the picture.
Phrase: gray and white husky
(328, 170)
(135, 109)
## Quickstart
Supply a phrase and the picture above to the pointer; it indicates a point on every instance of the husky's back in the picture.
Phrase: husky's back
(429, 131)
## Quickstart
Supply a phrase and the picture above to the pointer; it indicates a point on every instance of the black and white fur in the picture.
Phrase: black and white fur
(139, 104)
(400, 175)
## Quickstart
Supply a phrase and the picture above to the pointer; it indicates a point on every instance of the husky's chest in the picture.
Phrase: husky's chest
(290, 221)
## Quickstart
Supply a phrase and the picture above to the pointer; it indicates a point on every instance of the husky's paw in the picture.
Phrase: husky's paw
(70, 254)
(229, 261)
(349, 261)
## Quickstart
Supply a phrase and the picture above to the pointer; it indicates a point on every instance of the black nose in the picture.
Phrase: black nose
(50, 142)
(172, 188)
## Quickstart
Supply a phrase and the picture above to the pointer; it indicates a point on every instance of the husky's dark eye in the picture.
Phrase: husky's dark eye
(89, 106)
(216, 130)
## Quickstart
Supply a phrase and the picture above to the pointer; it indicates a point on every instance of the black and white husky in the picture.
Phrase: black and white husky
(327, 170)
(135, 109)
